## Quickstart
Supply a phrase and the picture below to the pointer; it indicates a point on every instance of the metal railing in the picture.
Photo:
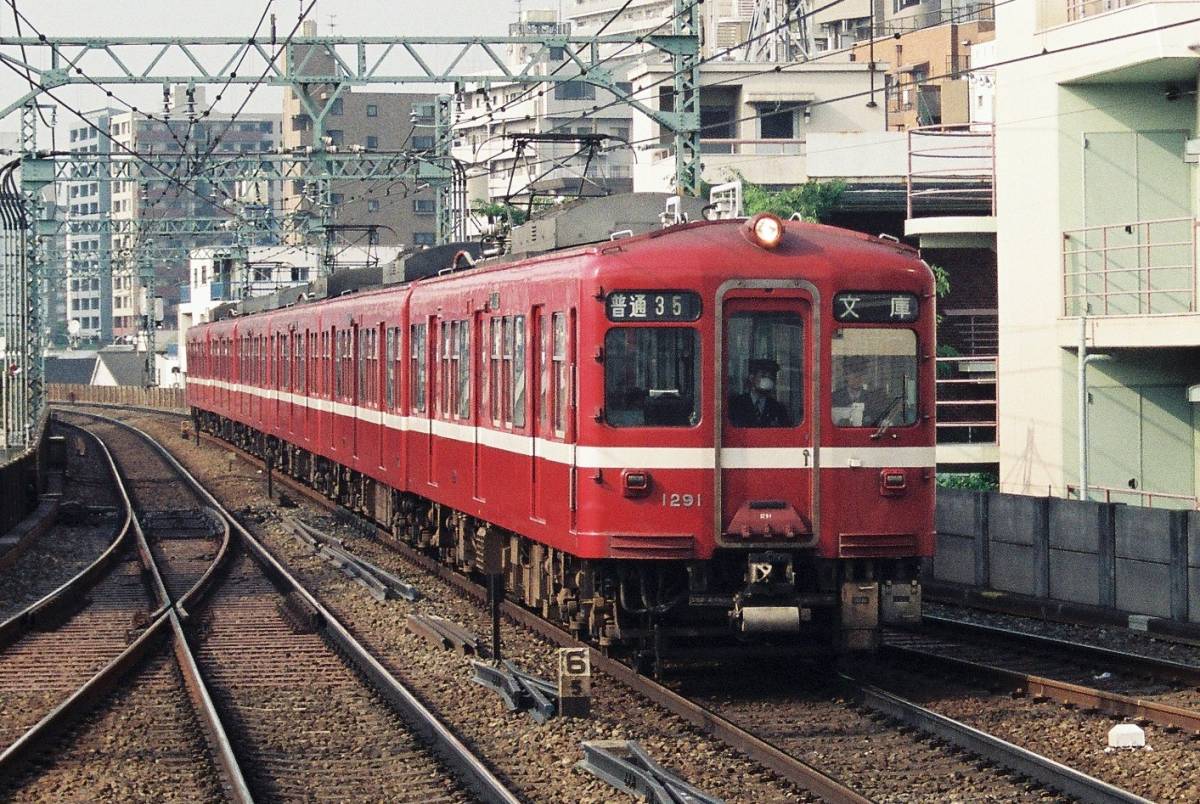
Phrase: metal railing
(1135, 268)
(967, 400)
(951, 168)
(1080, 9)
(1117, 494)
(972, 330)
(754, 147)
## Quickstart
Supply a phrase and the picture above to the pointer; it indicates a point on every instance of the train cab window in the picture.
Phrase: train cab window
(417, 339)
(652, 377)
(874, 377)
(765, 369)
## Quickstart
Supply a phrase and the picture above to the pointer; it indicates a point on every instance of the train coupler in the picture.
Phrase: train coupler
(859, 616)
(900, 603)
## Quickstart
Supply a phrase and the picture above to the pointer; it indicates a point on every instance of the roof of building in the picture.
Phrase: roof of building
(126, 368)
(70, 370)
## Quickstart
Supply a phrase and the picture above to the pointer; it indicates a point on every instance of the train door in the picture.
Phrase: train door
(766, 416)
(539, 417)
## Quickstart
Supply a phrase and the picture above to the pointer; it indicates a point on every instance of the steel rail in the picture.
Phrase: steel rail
(102, 683)
(470, 769)
(164, 619)
(1159, 668)
(1065, 692)
(1042, 769)
(71, 591)
(789, 767)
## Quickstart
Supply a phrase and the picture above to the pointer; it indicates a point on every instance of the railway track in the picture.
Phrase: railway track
(1090, 677)
(289, 703)
(770, 732)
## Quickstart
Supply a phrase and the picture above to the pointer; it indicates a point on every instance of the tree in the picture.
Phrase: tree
(814, 200)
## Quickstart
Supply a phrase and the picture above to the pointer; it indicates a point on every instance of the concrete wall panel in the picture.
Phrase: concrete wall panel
(956, 511)
(1144, 587)
(1014, 568)
(954, 559)
(1014, 518)
(1143, 534)
(1076, 525)
(1074, 577)
(1193, 529)
(1194, 594)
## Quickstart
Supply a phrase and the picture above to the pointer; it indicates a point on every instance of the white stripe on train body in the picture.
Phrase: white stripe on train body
(609, 457)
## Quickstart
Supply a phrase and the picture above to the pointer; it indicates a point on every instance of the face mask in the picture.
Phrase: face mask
(765, 384)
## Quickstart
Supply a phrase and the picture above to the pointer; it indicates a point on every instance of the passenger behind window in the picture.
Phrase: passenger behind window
(856, 402)
(757, 406)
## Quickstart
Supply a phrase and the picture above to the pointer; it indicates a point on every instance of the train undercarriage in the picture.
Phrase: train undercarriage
(779, 598)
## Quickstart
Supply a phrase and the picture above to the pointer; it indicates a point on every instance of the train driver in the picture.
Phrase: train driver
(757, 406)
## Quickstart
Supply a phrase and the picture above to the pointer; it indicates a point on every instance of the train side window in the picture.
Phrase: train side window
(464, 370)
(417, 338)
(561, 374)
(507, 370)
(389, 357)
(445, 388)
(497, 350)
(543, 369)
(301, 378)
(518, 391)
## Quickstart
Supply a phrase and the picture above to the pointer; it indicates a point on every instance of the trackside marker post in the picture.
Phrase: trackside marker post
(574, 682)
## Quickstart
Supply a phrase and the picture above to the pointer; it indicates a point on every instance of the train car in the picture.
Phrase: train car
(716, 427)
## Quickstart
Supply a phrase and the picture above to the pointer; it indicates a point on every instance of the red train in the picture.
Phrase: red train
(715, 425)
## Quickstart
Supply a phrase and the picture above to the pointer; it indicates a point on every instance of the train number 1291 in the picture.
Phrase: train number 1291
(680, 500)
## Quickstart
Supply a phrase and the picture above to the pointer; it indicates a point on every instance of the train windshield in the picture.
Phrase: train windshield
(765, 369)
(874, 377)
(651, 377)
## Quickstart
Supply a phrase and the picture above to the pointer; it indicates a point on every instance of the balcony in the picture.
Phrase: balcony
(951, 186)
(1141, 268)
(967, 410)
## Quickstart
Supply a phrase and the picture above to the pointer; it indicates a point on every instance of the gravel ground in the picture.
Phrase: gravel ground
(537, 760)
(65, 549)
(143, 744)
(1111, 637)
(1169, 771)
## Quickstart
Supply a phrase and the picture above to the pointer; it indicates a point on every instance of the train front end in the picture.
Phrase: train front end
(767, 426)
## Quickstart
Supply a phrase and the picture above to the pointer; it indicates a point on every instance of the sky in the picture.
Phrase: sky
(185, 18)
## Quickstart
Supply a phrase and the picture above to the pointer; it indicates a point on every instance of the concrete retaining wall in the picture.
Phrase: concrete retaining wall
(1130, 559)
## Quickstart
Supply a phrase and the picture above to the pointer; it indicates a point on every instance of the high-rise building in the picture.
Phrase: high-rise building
(371, 211)
(88, 245)
(182, 196)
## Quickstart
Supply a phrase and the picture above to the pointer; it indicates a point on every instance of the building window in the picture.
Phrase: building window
(301, 122)
(372, 110)
(372, 142)
(777, 125)
(424, 206)
(337, 198)
(422, 143)
(574, 90)
(336, 135)
(373, 205)
(424, 238)
(335, 108)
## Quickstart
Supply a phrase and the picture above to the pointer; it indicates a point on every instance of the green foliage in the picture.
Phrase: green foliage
(941, 280)
(498, 211)
(945, 370)
(974, 481)
(814, 200)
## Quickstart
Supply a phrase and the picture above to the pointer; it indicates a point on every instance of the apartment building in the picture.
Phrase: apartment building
(926, 70)
(755, 121)
(133, 203)
(527, 140)
(390, 212)
(1097, 139)
(88, 245)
